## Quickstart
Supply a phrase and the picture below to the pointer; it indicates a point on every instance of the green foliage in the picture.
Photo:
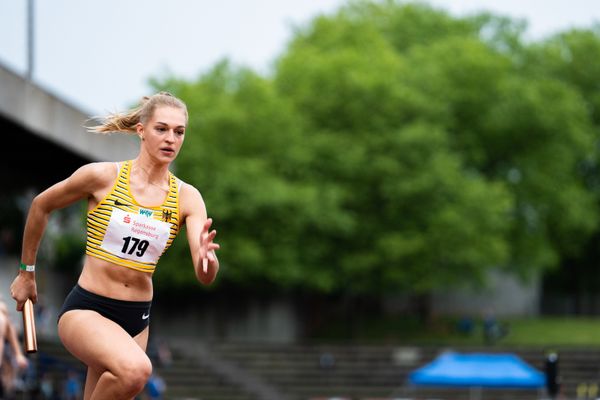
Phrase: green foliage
(566, 57)
(68, 249)
(246, 157)
(543, 332)
(395, 148)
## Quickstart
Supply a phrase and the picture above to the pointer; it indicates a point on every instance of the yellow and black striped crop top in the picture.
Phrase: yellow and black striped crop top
(122, 231)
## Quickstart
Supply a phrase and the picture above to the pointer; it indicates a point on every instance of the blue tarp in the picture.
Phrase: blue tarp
(482, 370)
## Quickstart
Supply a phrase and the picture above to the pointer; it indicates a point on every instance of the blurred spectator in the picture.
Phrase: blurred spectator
(552, 377)
(47, 387)
(165, 357)
(73, 387)
(493, 330)
(465, 325)
(155, 387)
(327, 360)
(12, 359)
(160, 352)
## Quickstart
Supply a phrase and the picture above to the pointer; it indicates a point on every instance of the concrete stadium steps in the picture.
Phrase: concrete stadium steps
(362, 372)
(466, 394)
(578, 366)
(357, 372)
(186, 379)
(296, 370)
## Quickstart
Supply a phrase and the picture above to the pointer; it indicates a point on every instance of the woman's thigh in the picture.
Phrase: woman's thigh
(100, 343)
(93, 375)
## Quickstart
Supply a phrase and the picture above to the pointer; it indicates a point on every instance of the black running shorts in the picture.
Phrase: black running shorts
(133, 316)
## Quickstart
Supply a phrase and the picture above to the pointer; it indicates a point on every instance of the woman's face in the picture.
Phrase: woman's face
(163, 134)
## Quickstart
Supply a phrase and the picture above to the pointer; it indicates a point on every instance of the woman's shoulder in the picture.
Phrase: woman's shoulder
(188, 190)
(98, 172)
(189, 197)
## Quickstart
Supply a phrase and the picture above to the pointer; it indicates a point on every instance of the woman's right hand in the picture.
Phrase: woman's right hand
(23, 288)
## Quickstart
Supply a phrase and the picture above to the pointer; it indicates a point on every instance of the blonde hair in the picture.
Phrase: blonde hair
(126, 122)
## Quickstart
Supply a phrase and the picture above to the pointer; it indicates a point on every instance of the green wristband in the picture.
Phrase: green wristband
(28, 268)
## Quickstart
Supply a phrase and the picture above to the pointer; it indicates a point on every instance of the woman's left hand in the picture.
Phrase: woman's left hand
(207, 246)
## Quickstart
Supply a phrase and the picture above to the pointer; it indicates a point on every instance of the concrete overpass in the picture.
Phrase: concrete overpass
(44, 139)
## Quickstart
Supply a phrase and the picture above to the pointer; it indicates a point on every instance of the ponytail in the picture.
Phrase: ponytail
(127, 122)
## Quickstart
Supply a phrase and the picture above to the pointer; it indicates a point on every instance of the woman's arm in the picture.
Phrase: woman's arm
(10, 335)
(13, 340)
(84, 183)
(206, 263)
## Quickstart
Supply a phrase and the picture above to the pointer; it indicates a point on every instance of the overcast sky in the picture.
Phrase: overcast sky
(99, 54)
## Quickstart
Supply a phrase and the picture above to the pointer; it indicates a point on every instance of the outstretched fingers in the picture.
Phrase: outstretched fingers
(207, 246)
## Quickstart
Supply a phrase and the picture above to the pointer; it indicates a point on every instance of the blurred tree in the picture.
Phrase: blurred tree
(395, 148)
(566, 57)
(413, 199)
(532, 133)
(245, 153)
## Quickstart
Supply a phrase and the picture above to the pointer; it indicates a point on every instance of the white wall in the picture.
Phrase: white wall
(504, 296)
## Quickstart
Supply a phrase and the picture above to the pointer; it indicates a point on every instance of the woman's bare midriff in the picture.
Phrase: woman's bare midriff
(115, 281)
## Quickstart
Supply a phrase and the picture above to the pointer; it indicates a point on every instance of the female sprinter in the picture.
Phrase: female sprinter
(135, 210)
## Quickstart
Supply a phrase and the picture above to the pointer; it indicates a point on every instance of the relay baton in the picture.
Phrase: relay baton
(29, 335)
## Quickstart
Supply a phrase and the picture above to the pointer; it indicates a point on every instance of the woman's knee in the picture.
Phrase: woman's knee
(134, 373)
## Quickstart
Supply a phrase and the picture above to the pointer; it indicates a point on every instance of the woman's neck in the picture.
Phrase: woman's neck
(151, 172)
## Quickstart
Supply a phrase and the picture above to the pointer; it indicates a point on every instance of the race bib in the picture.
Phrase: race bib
(135, 237)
